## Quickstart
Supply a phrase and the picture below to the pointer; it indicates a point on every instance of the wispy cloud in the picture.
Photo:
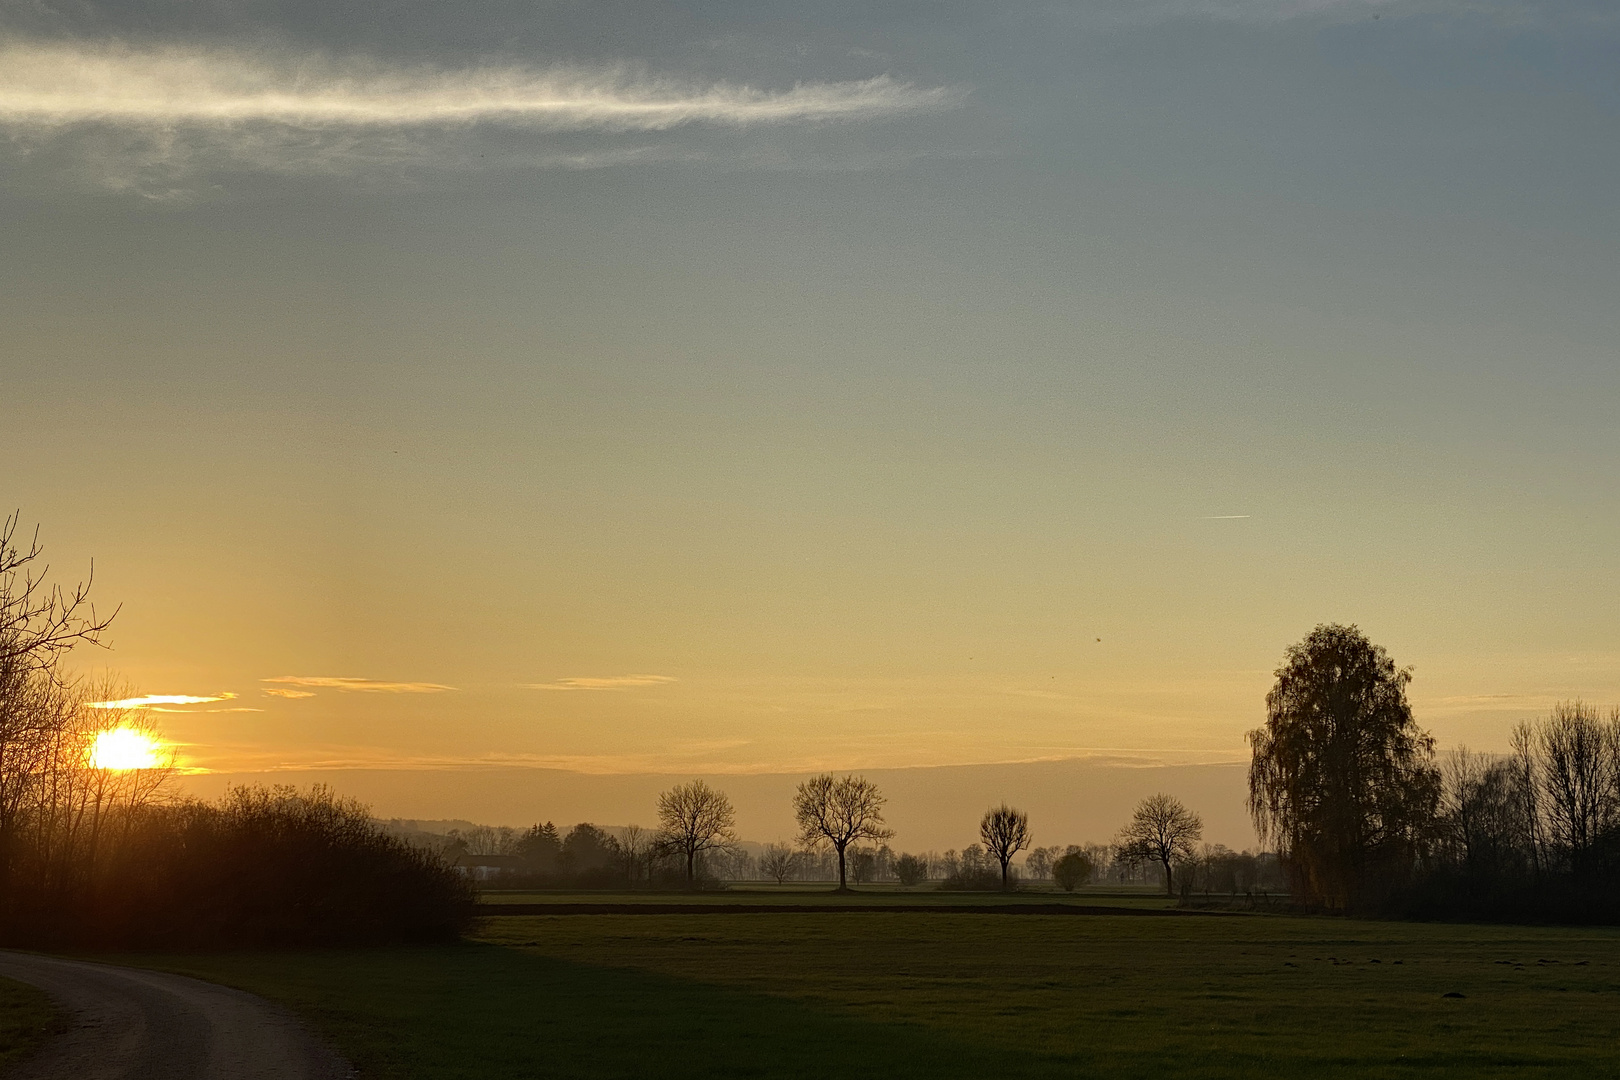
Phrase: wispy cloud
(369, 686)
(611, 682)
(147, 117)
(1223, 517)
(59, 83)
(287, 692)
(153, 701)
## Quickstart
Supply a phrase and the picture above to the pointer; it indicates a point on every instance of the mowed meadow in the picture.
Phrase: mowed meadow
(942, 994)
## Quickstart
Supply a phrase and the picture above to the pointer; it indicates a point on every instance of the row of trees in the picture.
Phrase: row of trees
(1365, 815)
(841, 829)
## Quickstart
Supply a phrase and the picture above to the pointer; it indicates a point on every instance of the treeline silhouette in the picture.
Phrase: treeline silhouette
(1534, 835)
(1361, 814)
(1366, 817)
(96, 856)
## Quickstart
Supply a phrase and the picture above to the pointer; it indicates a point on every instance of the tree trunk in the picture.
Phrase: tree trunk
(842, 885)
(1169, 886)
(1004, 874)
(691, 872)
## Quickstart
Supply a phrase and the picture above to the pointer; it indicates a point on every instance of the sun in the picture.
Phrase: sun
(124, 748)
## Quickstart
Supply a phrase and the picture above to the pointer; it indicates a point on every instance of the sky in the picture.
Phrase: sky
(669, 389)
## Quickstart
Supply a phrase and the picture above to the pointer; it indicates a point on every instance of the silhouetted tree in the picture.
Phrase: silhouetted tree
(1580, 781)
(779, 862)
(839, 812)
(587, 848)
(1342, 779)
(540, 847)
(1162, 831)
(1481, 815)
(1072, 869)
(910, 869)
(637, 850)
(38, 621)
(695, 818)
(1005, 832)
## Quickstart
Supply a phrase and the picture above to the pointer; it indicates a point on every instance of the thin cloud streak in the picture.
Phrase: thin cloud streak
(612, 682)
(152, 701)
(56, 84)
(367, 686)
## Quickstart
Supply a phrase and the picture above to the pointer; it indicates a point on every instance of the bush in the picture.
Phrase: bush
(1072, 869)
(973, 879)
(263, 867)
(910, 869)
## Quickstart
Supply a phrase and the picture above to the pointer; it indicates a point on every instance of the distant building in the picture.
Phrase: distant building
(484, 867)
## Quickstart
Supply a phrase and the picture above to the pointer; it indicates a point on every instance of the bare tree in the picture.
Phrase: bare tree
(39, 622)
(1162, 831)
(779, 862)
(1525, 769)
(1580, 778)
(1005, 832)
(637, 849)
(695, 818)
(839, 812)
(1482, 816)
(1038, 863)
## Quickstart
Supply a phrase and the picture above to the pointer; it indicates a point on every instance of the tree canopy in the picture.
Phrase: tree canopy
(839, 812)
(695, 818)
(1005, 832)
(1343, 780)
(1163, 831)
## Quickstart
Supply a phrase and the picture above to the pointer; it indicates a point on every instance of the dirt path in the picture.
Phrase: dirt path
(129, 1024)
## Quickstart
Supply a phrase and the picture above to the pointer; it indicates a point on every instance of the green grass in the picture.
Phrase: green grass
(960, 995)
(27, 1017)
(799, 893)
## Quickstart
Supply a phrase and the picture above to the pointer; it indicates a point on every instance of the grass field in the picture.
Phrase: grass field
(798, 894)
(26, 1017)
(960, 995)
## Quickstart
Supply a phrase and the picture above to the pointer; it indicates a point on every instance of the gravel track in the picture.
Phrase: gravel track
(131, 1024)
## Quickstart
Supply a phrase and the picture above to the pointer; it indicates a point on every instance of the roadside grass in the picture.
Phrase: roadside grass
(26, 1018)
(959, 995)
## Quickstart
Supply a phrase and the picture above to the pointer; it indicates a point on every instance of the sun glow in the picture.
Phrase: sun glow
(124, 748)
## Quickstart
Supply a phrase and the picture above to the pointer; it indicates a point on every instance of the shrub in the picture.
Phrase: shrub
(263, 867)
(1072, 869)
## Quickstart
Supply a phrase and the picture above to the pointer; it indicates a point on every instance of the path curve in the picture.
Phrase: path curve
(131, 1024)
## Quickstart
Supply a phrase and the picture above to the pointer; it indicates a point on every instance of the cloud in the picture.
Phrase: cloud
(286, 692)
(152, 701)
(147, 117)
(611, 682)
(369, 686)
(62, 83)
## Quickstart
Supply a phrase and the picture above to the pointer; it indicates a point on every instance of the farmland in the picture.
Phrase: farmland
(944, 994)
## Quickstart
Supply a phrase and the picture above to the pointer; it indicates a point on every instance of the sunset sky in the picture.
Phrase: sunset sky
(674, 388)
